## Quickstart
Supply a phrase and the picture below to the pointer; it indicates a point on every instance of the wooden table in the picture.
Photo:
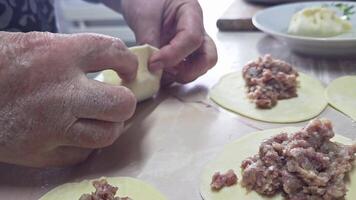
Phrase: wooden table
(175, 135)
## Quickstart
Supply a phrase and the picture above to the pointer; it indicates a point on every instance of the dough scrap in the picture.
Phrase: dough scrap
(133, 188)
(234, 153)
(341, 94)
(230, 93)
(146, 83)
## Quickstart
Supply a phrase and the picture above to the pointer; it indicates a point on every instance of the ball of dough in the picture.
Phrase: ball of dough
(146, 83)
(318, 22)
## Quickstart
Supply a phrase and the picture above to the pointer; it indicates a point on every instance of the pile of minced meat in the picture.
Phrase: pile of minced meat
(103, 191)
(305, 165)
(268, 80)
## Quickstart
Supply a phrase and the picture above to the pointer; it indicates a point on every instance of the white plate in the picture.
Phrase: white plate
(275, 21)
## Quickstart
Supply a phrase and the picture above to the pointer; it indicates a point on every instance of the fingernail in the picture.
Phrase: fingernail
(156, 66)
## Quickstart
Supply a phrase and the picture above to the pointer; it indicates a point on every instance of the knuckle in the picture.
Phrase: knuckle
(118, 43)
(195, 38)
(126, 103)
(111, 134)
(212, 60)
(211, 55)
(130, 102)
(195, 4)
(92, 43)
(130, 58)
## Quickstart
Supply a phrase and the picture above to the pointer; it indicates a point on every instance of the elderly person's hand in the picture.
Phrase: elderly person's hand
(51, 114)
(176, 26)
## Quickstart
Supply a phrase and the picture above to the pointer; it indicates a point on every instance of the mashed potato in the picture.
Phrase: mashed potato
(318, 22)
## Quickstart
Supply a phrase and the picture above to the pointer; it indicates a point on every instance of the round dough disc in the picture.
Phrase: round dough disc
(232, 156)
(146, 83)
(341, 94)
(128, 187)
(230, 93)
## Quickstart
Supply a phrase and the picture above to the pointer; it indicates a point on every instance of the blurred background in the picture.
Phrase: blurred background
(77, 16)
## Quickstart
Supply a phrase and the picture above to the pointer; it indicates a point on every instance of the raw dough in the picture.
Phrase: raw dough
(232, 156)
(341, 94)
(318, 22)
(230, 93)
(133, 188)
(146, 83)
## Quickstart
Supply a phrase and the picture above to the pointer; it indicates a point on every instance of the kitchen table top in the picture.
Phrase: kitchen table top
(173, 136)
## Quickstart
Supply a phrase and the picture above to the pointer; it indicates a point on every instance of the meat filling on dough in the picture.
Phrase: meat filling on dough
(103, 191)
(221, 180)
(304, 165)
(268, 80)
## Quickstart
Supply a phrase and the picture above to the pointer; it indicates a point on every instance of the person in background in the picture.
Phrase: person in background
(51, 114)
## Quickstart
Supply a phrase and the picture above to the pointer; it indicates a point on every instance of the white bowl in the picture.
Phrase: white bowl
(275, 21)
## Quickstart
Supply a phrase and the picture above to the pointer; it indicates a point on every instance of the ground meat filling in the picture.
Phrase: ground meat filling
(221, 180)
(103, 191)
(269, 80)
(305, 165)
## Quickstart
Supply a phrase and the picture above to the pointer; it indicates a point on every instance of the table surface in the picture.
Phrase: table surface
(173, 136)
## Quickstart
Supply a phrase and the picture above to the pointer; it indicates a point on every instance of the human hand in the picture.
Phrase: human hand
(51, 114)
(177, 27)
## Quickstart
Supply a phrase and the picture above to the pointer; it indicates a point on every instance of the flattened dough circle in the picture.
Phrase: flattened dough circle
(230, 93)
(232, 156)
(133, 188)
(146, 83)
(341, 94)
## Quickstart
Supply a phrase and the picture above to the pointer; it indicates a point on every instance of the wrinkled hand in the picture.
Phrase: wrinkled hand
(177, 27)
(51, 114)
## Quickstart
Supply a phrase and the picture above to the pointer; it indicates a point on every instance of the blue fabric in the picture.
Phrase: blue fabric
(27, 15)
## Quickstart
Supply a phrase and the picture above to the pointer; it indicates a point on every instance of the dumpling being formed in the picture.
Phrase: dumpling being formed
(318, 22)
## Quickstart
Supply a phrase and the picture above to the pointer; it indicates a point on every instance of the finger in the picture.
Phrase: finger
(199, 63)
(96, 52)
(100, 101)
(188, 38)
(167, 79)
(87, 133)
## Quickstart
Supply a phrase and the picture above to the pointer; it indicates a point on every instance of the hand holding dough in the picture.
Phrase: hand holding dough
(146, 83)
